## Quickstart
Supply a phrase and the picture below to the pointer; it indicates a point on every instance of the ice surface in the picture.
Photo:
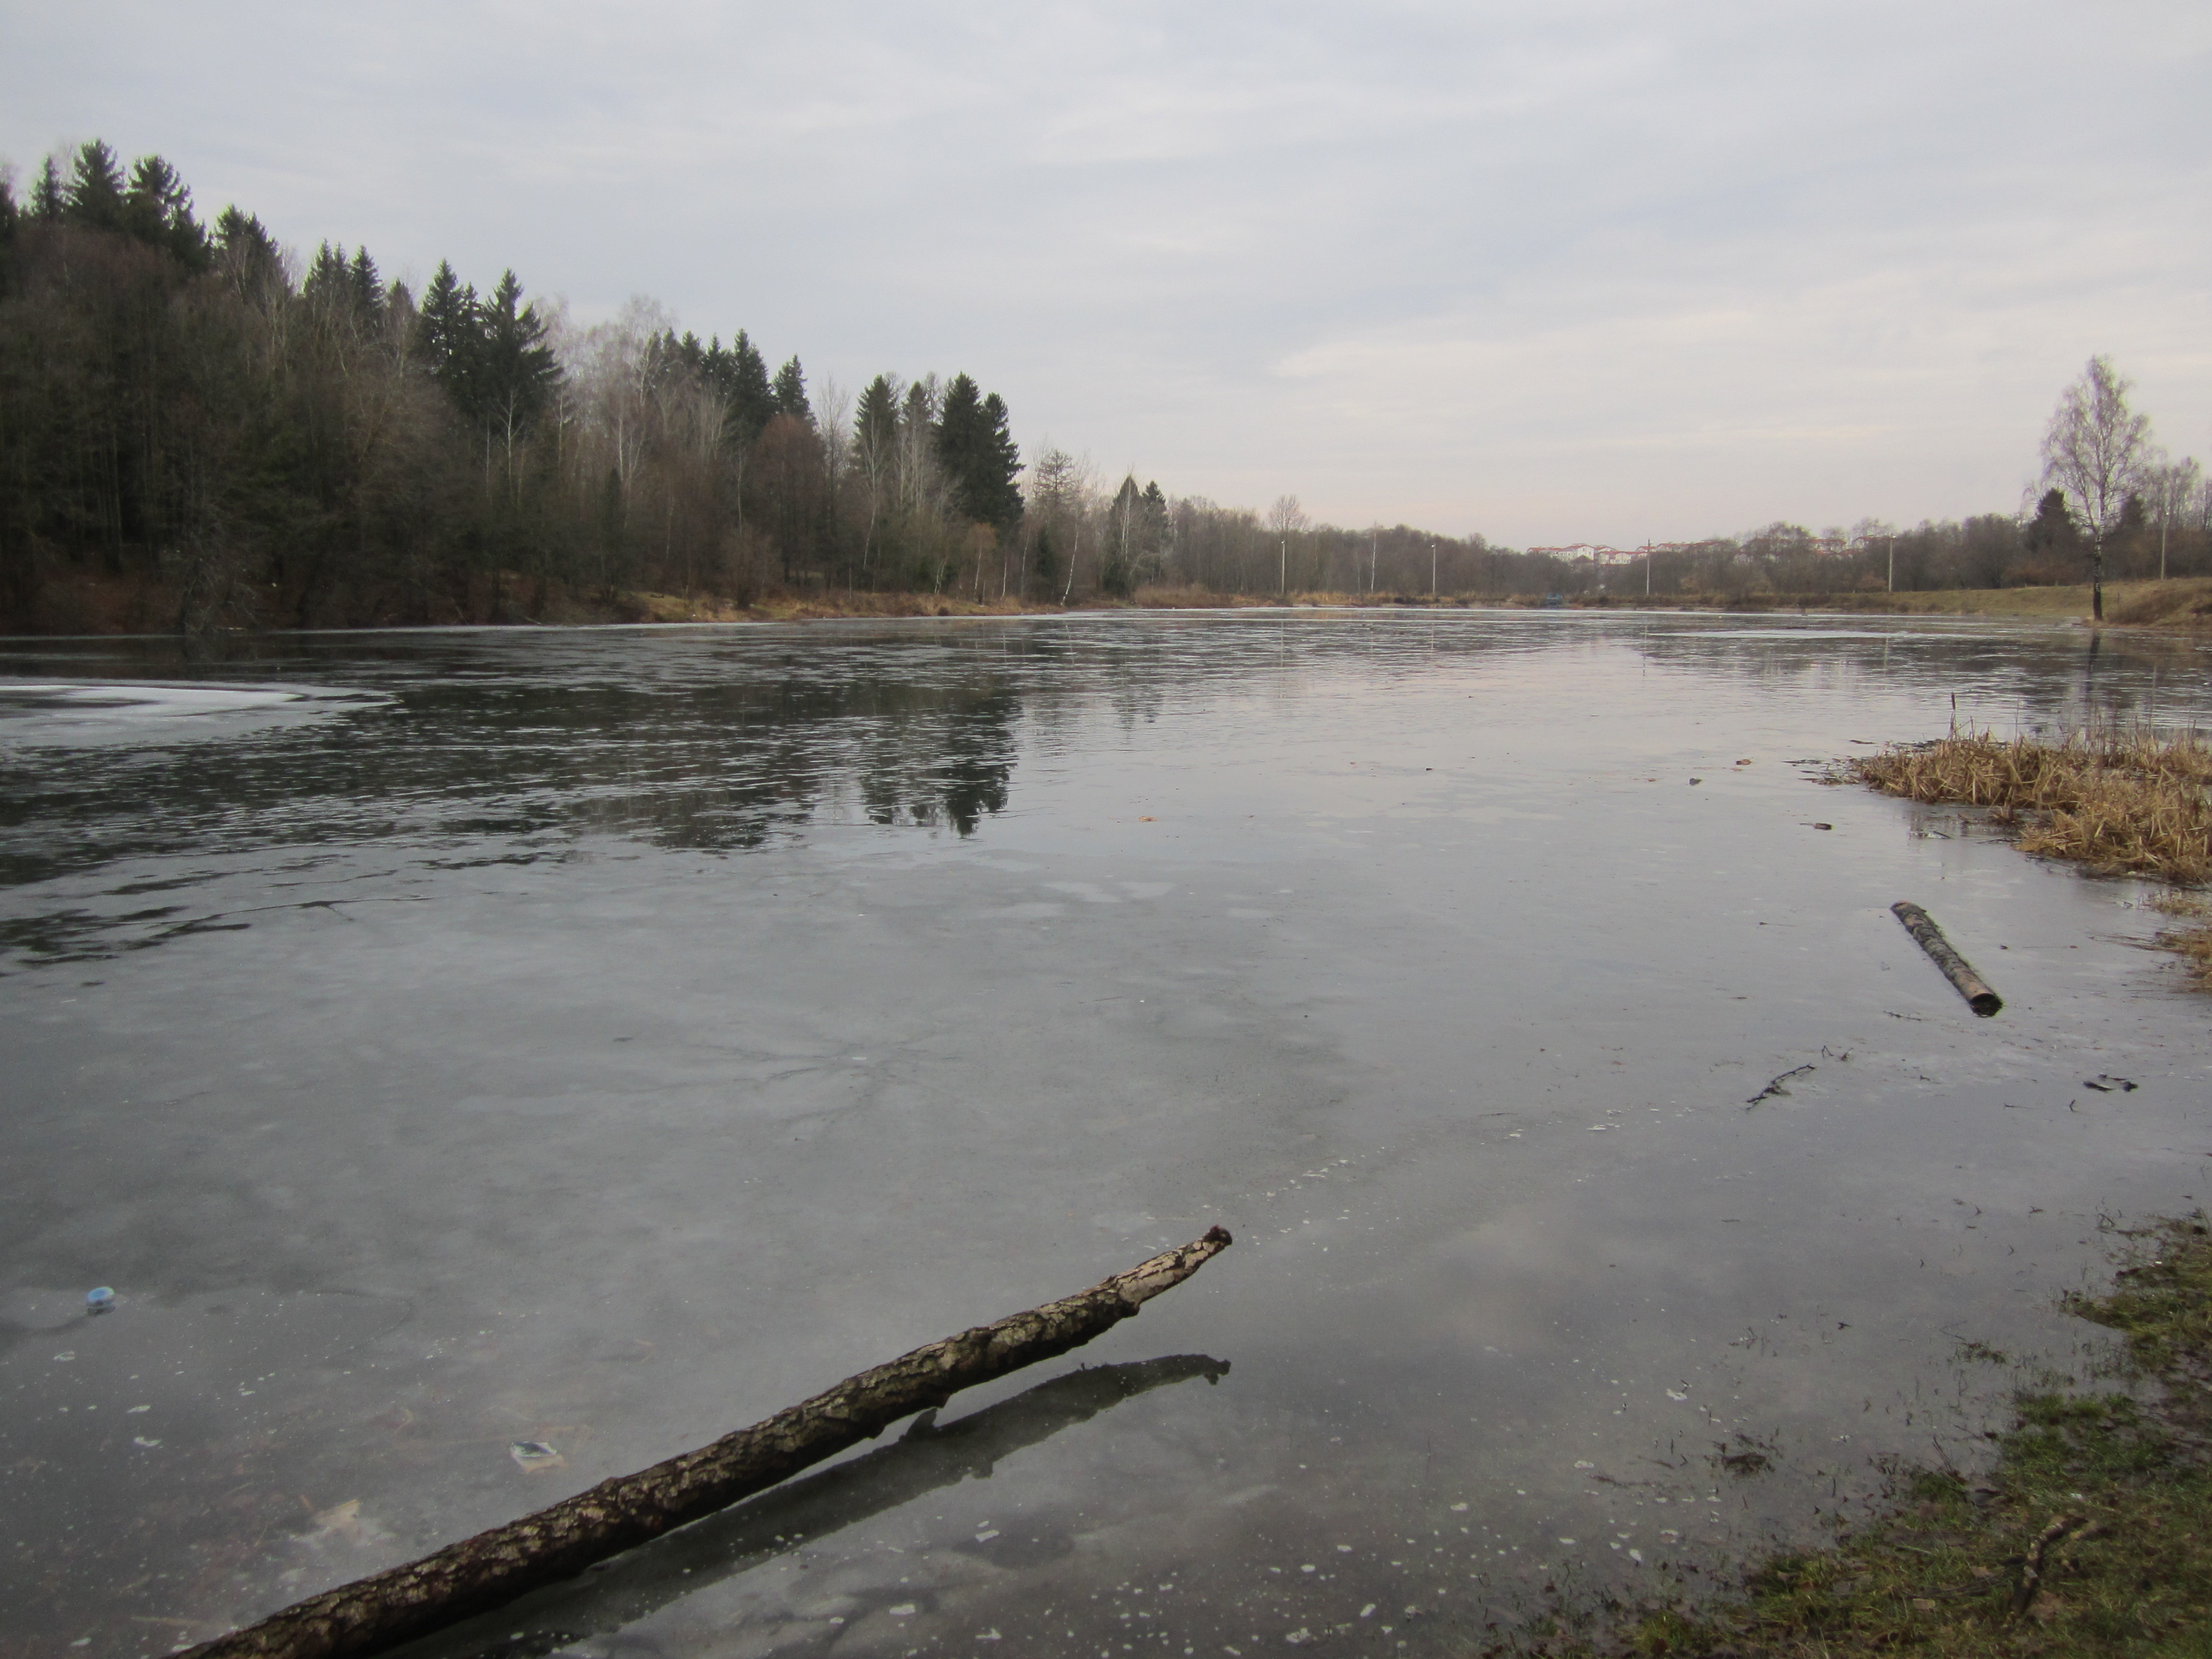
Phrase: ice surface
(598, 1041)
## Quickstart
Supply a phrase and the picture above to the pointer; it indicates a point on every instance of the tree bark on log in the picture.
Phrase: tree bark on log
(1971, 985)
(374, 1615)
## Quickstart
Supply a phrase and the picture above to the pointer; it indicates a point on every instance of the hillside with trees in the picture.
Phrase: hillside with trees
(200, 433)
(232, 443)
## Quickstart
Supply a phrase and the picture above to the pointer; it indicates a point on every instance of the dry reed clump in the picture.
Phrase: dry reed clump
(2133, 805)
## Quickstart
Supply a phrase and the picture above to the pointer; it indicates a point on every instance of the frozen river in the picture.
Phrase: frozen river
(451, 1042)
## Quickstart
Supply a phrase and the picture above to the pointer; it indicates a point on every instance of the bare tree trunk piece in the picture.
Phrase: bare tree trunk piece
(401, 1604)
(1971, 985)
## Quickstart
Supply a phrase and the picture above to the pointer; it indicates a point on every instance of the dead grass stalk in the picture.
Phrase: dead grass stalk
(2122, 804)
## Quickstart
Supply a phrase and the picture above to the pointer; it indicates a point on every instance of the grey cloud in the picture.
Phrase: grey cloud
(1587, 270)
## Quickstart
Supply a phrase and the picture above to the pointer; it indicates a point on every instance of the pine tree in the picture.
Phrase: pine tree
(875, 423)
(447, 338)
(329, 286)
(750, 399)
(791, 393)
(157, 208)
(49, 199)
(514, 373)
(999, 466)
(365, 287)
(247, 255)
(960, 442)
(979, 455)
(95, 188)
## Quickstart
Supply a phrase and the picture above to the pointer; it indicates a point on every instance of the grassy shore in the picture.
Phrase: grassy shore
(2116, 805)
(2091, 1534)
(2184, 604)
(2120, 805)
(2181, 604)
(91, 602)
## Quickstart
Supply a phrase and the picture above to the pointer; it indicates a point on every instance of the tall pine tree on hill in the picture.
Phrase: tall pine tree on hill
(791, 393)
(246, 257)
(95, 188)
(751, 400)
(49, 197)
(445, 337)
(368, 288)
(875, 423)
(515, 371)
(157, 209)
(328, 286)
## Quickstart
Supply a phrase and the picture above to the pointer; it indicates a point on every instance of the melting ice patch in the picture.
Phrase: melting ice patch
(74, 713)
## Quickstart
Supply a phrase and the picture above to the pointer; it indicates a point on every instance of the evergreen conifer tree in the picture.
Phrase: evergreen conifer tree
(514, 370)
(791, 392)
(959, 442)
(95, 187)
(247, 255)
(329, 286)
(999, 466)
(446, 337)
(157, 208)
(875, 423)
(978, 454)
(2052, 529)
(365, 286)
(750, 398)
(49, 199)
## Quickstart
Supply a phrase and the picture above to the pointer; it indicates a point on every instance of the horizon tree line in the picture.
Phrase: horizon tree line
(246, 440)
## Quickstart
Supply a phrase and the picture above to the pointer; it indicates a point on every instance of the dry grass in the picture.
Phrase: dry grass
(2122, 805)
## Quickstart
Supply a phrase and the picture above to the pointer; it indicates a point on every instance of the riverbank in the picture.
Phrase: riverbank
(2183, 603)
(2132, 805)
(92, 602)
(2091, 1534)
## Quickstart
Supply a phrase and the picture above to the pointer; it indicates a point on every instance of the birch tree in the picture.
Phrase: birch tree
(2100, 452)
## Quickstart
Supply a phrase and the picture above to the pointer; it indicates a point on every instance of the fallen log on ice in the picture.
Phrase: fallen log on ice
(374, 1615)
(1971, 985)
(802, 1512)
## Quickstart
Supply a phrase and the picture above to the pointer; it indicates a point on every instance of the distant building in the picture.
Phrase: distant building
(1591, 553)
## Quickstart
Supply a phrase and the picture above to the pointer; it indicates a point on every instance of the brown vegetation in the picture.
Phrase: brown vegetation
(2121, 804)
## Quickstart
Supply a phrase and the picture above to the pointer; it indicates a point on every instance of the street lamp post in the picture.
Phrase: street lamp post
(1432, 569)
(2164, 519)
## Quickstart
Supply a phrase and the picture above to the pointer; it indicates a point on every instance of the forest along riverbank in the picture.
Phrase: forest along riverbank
(90, 601)
(482, 1063)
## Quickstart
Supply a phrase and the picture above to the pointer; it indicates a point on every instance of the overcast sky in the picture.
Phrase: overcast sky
(1551, 271)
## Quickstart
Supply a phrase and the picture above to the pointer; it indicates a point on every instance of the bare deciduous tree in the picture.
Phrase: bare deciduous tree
(2100, 452)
